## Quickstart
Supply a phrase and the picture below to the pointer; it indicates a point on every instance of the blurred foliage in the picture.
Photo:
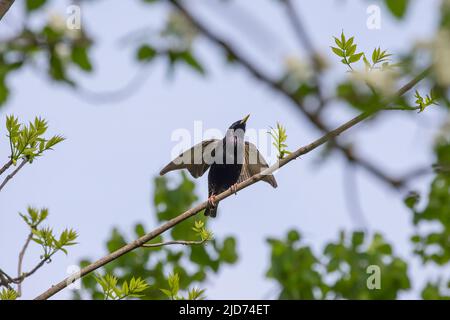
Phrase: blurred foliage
(398, 8)
(50, 47)
(432, 238)
(192, 264)
(436, 291)
(340, 271)
(174, 43)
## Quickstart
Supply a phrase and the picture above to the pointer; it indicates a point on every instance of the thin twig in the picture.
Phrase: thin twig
(11, 175)
(183, 242)
(5, 279)
(6, 166)
(19, 264)
(32, 271)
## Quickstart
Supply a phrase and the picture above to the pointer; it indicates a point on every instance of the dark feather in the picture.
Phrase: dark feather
(193, 159)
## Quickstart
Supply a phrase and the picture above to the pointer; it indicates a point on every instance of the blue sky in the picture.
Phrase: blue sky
(102, 175)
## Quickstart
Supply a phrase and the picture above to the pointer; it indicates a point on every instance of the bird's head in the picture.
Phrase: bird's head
(240, 124)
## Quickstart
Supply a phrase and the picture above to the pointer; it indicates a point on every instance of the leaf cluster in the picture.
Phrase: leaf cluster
(173, 293)
(129, 289)
(28, 141)
(279, 137)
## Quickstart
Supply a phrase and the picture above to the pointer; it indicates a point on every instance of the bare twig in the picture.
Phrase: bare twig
(6, 167)
(11, 175)
(183, 242)
(4, 7)
(25, 275)
(19, 265)
(5, 279)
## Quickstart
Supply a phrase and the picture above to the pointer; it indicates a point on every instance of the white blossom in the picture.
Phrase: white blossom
(56, 21)
(383, 81)
(297, 70)
(441, 57)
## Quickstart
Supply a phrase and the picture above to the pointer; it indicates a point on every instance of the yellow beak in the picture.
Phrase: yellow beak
(245, 119)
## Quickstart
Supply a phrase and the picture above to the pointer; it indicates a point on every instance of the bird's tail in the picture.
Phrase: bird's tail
(211, 211)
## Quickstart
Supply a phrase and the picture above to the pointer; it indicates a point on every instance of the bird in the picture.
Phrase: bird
(230, 161)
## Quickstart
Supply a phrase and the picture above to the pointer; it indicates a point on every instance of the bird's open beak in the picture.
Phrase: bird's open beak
(245, 119)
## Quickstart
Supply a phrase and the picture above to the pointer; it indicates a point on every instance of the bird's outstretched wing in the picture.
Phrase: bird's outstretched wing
(254, 163)
(193, 159)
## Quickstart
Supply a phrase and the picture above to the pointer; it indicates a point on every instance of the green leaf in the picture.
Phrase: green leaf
(146, 53)
(168, 293)
(357, 239)
(397, 7)
(338, 43)
(355, 58)
(190, 60)
(81, 58)
(412, 199)
(32, 5)
(228, 252)
(349, 44)
(4, 91)
(338, 52)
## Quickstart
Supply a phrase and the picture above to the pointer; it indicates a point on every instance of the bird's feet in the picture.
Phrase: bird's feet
(233, 188)
(212, 200)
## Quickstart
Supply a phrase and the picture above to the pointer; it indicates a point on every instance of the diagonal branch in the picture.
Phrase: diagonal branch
(278, 87)
(25, 275)
(195, 210)
(4, 7)
(6, 167)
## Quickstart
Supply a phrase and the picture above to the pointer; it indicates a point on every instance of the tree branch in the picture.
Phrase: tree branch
(6, 167)
(25, 275)
(5, 279)
(302, 35)
(19, 265)
(11, 175)
(183, 242)
(278, 87)
(4, 7)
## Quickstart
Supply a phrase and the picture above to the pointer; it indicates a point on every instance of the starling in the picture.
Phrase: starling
(230, 161)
